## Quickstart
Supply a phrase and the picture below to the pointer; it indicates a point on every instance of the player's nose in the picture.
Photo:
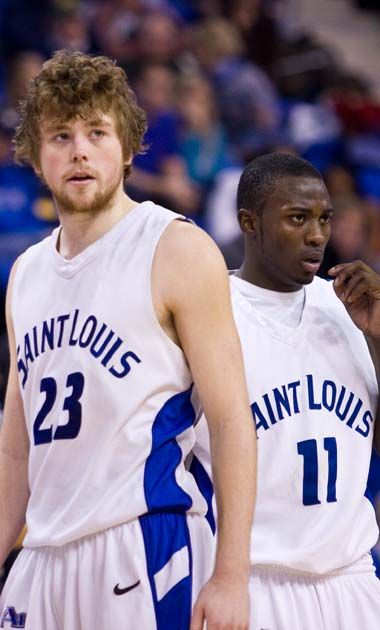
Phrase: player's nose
(316, 234)
(79, 148)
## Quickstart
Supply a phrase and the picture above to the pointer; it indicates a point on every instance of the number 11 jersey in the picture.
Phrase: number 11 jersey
(313, 395)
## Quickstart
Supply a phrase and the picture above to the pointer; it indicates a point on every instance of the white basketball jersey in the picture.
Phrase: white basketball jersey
(107, 395)
(313, 395)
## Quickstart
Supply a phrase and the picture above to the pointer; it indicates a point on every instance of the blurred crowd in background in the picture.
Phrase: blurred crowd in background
(222, 81)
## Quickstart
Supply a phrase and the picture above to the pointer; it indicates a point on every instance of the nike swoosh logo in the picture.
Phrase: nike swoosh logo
(120, 591)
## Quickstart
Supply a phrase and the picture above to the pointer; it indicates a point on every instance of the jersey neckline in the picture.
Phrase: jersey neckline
(289, 335)
(68, 268)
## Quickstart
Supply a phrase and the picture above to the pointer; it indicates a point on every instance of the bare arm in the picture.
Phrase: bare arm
(14, 451)
(190, 282)
(374, 349)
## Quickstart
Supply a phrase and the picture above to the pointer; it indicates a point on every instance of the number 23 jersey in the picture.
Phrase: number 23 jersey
(107, 395)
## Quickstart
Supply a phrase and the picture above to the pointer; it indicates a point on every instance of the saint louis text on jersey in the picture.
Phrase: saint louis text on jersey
(74, 329)
(316, 394)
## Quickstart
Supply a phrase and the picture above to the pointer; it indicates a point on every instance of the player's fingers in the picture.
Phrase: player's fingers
(342, 268)
(333, 271)
(197, 618)
(356, 292)
(343, 271)
(341, 279)
(365, 282)
(353, 288)
(348, 278)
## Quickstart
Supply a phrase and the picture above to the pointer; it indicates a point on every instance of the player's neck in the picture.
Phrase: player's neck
(253, 272)
(79, 231)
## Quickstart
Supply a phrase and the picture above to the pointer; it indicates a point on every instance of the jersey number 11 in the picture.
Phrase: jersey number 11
(309, 452)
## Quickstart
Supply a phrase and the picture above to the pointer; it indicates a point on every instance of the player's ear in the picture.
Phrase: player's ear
(36, 166)
(247, 220)
(128, 161)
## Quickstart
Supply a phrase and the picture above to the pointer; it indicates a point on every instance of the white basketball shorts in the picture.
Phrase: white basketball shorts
(143, 575)
(281, 600)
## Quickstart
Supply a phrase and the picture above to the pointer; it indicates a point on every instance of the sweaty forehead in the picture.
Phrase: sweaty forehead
(298, 192)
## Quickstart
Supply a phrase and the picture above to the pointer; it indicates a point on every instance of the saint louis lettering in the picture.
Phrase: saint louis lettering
(286, 401)
(74, 329)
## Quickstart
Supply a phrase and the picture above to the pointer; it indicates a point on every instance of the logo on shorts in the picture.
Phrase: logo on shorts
(10, 616)
(120, 591)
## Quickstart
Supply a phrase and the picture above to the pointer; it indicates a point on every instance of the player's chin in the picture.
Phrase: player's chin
(309, 279)
(305, 277)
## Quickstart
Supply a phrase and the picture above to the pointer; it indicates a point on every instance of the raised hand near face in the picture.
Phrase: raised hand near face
(358, 287)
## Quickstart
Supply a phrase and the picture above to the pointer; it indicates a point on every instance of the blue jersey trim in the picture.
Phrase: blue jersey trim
(205, 486)
(163, 535)
(162, 492)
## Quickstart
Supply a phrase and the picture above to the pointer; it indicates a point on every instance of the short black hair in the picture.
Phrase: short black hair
(259, 177)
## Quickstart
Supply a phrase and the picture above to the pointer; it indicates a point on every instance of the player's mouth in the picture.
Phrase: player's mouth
(80, 179)
(312, 262)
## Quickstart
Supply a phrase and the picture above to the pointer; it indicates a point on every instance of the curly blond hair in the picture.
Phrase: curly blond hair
(75, 85)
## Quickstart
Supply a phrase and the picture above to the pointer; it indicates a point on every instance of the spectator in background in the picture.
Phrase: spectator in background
(201, 9)
(340, 181)
(114, 26)
(161, 38)
(345, 191)
(68, 29)
(303, 67)
(314, 130)
(258, 28)
(359, 113)
(19, 72)
(202, 138)
(160, 173)
(247, 99)
(352, 225)
(26, 209)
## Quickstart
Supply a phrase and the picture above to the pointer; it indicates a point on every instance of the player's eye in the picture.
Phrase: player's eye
(325, 218)
(97, 133)
(298, 218)
(61, 137)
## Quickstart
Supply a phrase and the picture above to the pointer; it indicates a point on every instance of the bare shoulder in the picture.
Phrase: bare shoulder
(188, 276)
(184, 253)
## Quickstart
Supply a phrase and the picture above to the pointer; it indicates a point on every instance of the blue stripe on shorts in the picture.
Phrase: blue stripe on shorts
(168, 555)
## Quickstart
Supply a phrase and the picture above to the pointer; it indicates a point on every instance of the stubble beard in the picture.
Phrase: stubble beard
(100, 202)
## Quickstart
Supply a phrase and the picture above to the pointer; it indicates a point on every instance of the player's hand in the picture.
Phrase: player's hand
(358, 287)
(222, 605)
